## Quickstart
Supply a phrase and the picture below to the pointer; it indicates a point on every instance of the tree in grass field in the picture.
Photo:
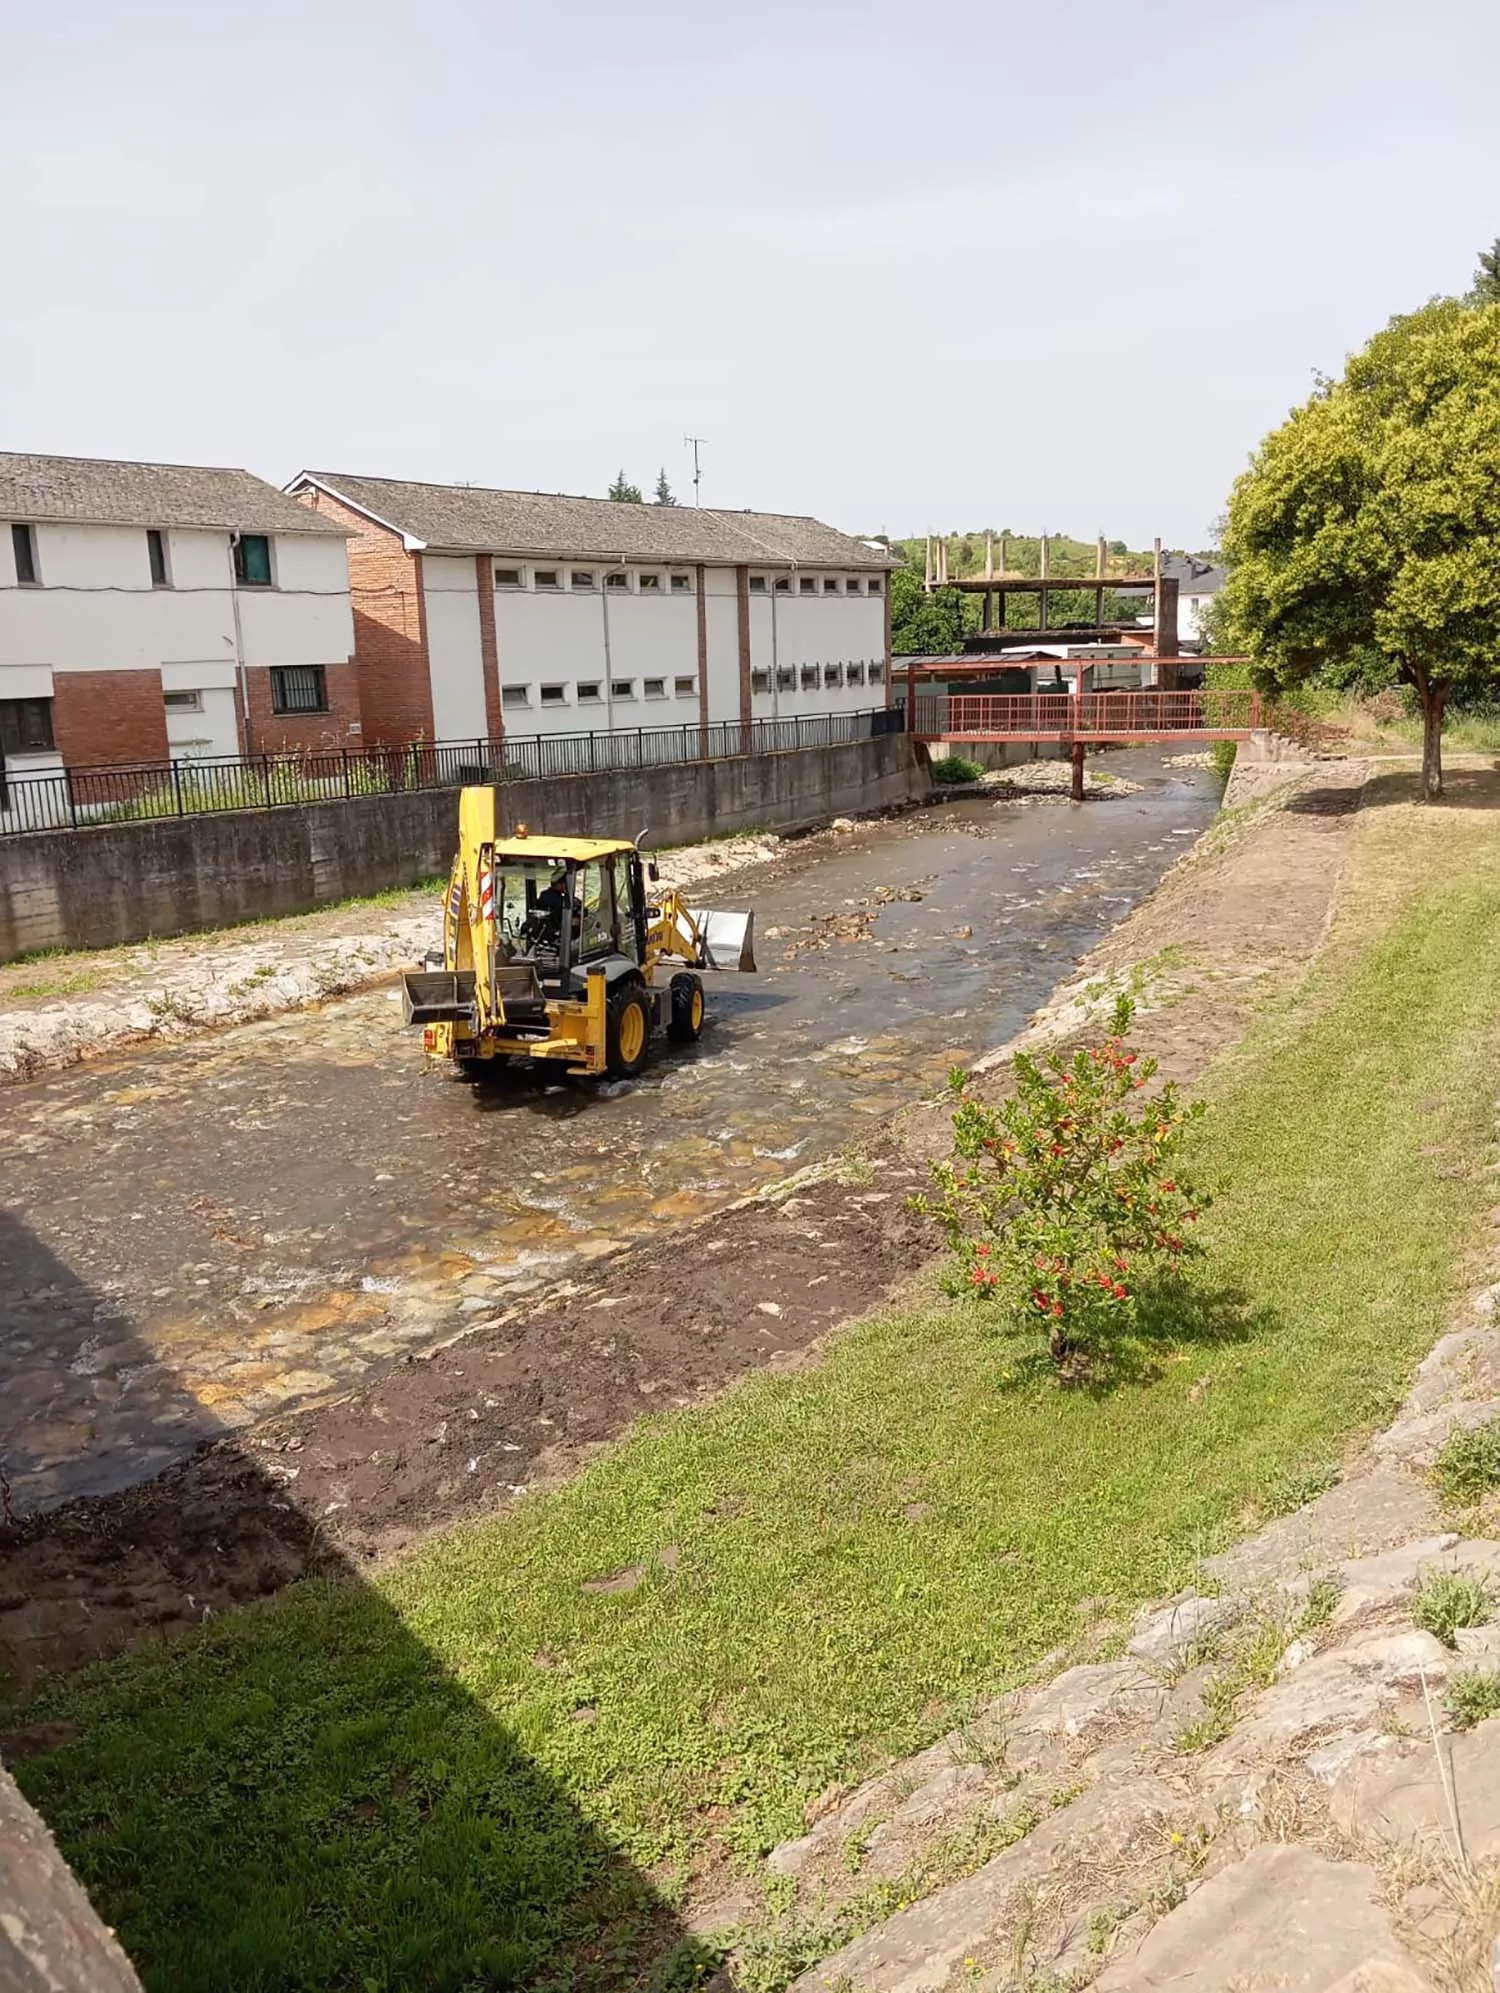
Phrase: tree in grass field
(1363, 541)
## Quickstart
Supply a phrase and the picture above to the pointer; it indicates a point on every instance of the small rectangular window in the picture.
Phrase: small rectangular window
(23, 540)
(877, 585)
(809, 678)
(299, 688)
(807, 584)
(831, 584)
(546, 577)
(650, 583)
(26, 726)
(617, 581)
(554, 695)
(682, 584)
(587, 691)
(622, 688)
(654, 688)
(833, 674)
(685, 688)
(760, 681)
(252, 569)
(515, 695)
(854, 585)
(854, 674)
(183, 702)
(757, 584)
(582, 577)
(156, 554)
(509, 577)
(786, 678)
(783, 584)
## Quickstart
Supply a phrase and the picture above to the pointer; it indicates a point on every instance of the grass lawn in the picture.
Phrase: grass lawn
(461, 1775)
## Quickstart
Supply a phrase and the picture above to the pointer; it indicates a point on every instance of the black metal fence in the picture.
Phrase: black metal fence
(79, 797)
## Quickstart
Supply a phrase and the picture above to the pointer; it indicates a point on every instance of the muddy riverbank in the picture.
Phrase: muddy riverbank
(466, 1418)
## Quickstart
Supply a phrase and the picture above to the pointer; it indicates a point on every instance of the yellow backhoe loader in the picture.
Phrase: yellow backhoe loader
(561, 949)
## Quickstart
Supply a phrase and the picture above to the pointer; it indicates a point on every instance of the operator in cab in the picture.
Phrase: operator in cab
(553, 901)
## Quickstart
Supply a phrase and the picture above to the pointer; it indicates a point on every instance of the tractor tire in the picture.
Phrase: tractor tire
(627, 1035)
(687, 1010)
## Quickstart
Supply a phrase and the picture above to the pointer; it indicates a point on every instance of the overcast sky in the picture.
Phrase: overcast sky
(1056, 265)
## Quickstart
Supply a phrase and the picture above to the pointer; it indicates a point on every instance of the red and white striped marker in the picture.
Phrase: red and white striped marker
(486, 895)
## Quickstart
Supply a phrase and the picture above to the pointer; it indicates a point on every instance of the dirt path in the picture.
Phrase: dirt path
(521, 1401)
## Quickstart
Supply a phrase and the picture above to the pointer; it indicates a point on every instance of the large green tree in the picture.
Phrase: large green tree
(1364, 539)
(1487, 277)
(623, 492)
(924, 625)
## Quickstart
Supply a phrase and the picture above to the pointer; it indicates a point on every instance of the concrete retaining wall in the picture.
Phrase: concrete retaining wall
(138, 881)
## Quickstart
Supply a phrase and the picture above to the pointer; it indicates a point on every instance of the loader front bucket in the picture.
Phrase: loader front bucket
(728, 939)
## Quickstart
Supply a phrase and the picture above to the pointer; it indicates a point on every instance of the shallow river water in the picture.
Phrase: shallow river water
(195, 1236)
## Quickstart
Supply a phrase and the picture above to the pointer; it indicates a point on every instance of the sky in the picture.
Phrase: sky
(1054, 267)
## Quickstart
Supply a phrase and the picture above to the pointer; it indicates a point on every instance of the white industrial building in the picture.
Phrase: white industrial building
(149, 610)
(480, 612)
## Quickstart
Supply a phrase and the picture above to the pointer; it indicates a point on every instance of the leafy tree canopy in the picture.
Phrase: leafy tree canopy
(663, 492)
(1364, 539)
(924, 625)
(623, 492)
(1487, 277)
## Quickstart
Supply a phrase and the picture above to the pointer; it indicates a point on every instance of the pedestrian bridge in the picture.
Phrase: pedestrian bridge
(1084, 718)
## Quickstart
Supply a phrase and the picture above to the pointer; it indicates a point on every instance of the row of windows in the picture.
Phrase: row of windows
(590, 691)
(809, 677)
(252, 558)
(672, 581)
(26, 724)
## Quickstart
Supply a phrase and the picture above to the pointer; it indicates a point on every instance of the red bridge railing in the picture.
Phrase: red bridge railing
(1092, 716)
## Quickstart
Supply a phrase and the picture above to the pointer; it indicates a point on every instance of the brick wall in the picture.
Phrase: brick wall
(103, 718)
(390, 641)
(279, 733)
(489, 649)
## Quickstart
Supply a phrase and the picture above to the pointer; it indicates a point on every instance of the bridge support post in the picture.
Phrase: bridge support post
(1076, 791)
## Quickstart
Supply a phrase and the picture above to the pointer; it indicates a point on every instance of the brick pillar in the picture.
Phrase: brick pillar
(419, 584)
(702, 655)
(742, 606)
(489, 652)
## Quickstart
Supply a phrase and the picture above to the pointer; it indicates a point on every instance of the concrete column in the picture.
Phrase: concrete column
(742, 607)
(702, 657)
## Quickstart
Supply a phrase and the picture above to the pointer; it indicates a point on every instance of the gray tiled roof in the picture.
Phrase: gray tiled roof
(94, 491)
(1193, 576)
(457, 518)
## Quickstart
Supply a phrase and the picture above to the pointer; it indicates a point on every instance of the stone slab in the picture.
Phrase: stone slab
(1399, 1796)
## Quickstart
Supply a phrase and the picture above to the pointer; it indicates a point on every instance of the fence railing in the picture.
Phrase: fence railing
(79, 797)
(1091, 716)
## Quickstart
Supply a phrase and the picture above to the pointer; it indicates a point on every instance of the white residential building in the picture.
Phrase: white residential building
(479, 611)
(156, 610)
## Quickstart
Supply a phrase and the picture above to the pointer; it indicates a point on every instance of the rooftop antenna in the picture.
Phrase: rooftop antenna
(692, 443)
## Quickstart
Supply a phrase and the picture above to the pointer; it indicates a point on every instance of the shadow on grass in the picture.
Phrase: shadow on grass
(299, 1794)
(1172, 1317)
(1463, 789)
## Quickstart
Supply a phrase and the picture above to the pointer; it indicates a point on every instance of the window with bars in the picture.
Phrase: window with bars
(26, 726)
(299, 688)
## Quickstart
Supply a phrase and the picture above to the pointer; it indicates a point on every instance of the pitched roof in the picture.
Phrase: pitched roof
(459, 518)
(1193, 576)
(94, 491)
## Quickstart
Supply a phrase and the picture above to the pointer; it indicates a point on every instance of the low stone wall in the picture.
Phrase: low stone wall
(140, 881)
(51, 1940)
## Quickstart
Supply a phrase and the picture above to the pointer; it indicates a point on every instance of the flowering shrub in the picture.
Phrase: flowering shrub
(1057, 1202)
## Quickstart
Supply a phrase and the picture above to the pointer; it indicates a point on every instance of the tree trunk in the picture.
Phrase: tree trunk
(1432, 696)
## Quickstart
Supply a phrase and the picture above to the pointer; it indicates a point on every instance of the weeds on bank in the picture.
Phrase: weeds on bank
(1446, 1601)
(1468, 1465)
(1472, 1695)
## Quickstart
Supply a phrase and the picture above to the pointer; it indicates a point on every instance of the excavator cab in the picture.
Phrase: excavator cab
(561, 949)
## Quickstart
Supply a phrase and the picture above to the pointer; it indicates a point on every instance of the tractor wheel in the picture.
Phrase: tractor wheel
(687, 1010)
(627, 1037)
